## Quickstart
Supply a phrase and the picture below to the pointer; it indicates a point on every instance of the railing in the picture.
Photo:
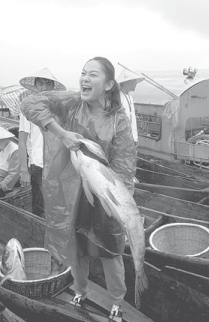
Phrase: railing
(149, 125)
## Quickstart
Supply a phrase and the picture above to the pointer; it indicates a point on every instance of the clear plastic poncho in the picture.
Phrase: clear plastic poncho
(73, 226)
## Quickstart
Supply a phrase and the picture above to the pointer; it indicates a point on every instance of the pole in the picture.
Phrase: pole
(152, 82)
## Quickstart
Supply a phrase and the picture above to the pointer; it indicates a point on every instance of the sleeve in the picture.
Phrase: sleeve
(134, 123)
(123, 151)
(41, 109)
(13, 173)
(24, 124)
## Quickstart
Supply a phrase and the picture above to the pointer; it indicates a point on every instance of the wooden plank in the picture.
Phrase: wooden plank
(172, 218)
(176, 192)
(195, 281)
(34, 311)
(172, 167)
(166, 299)
(191, 264)
(23, 225)
(99, 295)
(172, 206)
(165, 179)
(177, 166)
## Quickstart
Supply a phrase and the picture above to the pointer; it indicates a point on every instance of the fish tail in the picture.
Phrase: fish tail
(141, 284)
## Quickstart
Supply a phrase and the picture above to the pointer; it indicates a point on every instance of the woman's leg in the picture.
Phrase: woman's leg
(115, 278)
(80, 275)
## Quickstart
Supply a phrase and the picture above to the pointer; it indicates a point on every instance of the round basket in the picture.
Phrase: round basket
(37, 267)
(181, 239)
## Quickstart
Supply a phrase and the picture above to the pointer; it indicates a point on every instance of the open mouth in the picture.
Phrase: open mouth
(86, 89)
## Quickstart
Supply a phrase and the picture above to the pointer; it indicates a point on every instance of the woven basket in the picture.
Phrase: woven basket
(181, 239)
(37, 267)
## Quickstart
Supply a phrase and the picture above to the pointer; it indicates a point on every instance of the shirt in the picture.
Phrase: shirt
(128, 104)
(9, 166)
(34, 142)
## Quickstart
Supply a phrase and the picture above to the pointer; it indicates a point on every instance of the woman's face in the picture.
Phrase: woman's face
(93, 83)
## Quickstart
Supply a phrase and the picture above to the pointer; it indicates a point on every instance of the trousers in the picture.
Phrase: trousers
(37, 193)
(114, 276)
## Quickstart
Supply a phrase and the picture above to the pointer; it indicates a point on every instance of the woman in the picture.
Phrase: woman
(96, 114)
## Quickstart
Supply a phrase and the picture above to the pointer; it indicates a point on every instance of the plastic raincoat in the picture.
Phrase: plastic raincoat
(72, 224)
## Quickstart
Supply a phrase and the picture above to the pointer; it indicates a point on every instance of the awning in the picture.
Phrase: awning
(12, 97)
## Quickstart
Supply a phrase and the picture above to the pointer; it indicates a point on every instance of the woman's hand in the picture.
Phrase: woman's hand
(71, 140)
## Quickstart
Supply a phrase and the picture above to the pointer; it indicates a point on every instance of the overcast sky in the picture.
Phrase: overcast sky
(63, 34)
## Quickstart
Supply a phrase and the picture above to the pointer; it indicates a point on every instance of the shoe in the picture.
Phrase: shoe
(78, 300)
(116, 313)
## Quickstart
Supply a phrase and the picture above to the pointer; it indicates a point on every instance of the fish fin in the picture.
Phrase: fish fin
(106, 206)
(112, 197)
(87, 191)
(141, 281)
(141, 284)
(107, 174)
(94, 150)
(74, 160)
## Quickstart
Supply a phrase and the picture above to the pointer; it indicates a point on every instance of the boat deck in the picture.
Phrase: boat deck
(96, 309)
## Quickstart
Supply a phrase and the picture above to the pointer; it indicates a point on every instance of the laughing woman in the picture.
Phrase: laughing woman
(74, 229)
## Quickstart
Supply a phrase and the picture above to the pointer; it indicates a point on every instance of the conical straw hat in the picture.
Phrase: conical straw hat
(4, 134)
(127, 75)
(28, 82)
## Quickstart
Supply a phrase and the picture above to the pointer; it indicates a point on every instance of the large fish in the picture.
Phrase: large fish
(100, 180)
(13, 262)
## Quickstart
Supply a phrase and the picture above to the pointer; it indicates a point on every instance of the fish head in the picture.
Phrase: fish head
(13, 253)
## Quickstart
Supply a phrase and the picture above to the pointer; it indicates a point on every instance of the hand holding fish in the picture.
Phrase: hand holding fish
(71, 140)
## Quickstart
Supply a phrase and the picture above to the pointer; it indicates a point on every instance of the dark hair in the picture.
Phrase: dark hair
(113, 95)
(39, 78)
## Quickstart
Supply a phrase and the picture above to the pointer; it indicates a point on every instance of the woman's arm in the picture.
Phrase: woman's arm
(70, 139)
(123, 152)
(41, 109)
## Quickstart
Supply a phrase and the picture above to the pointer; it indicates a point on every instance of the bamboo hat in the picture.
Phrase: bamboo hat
(127, 75)
(29, 82)
(4, 134)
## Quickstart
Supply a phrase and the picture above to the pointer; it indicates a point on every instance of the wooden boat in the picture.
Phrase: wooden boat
(178, 285)
(172, 179)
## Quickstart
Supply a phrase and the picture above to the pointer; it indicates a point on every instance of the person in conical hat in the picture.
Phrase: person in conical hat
(9, 162)
(30, 82)
(31, 139)
(128, 81)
